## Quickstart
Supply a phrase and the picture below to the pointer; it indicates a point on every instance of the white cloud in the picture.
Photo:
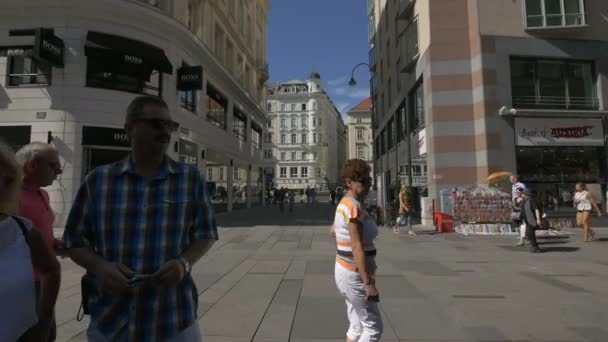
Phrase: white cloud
(338, 81)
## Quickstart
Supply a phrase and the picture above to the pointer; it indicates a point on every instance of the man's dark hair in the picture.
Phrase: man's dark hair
(136, 107)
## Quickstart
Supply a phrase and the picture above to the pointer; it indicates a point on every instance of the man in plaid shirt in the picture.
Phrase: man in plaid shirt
(137, 226)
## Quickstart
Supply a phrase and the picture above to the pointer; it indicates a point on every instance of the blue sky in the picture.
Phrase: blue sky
(329, 36)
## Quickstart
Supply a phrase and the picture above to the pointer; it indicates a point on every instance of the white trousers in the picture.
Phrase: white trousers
(522, 231)
(364, 317)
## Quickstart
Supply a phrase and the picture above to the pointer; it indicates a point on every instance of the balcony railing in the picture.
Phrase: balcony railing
(409, 45)
(555, 102)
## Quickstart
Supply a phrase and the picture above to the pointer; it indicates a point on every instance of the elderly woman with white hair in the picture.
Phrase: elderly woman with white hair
(40, 166)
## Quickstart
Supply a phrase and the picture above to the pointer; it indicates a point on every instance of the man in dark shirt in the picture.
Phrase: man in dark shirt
(530, 214)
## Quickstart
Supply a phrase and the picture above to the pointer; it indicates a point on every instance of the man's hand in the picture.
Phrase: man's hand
(171, 273)
(371, 293)
(59, 248)
(538, 222)
(114, 278)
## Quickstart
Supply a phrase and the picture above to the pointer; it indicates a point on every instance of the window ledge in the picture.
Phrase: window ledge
(556, 28)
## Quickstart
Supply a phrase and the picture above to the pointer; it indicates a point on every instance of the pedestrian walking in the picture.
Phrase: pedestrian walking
(292, 200)
(25, 315)
(137, 226)
(355, 269)
(281, 198)
(405, 211)
(308, 195)
(530, 214)
(41, 166)
(516, 184)
(585, 202)
(516, 216)
(332, 197)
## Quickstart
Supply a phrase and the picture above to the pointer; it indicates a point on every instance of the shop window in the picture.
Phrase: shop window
(417, 107)
(293, 172)
(304, 172)
(99, 76)
(256, 136)
(283, 173)
(239, 124)
(187, 98)
(555, 13)
(553, 84)
(23, 70)
(216, 107)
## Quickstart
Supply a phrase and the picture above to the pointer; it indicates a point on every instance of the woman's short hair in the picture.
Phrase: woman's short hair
(31, 151)
(355, 169)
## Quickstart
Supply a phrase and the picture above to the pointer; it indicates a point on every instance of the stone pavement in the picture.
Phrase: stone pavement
(270, 279)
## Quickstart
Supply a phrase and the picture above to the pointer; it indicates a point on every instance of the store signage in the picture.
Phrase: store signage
(133, 59)
(422, 146)
(15, 52)
(48, 47)
(554, 132)
(190, 78)
(104, 136)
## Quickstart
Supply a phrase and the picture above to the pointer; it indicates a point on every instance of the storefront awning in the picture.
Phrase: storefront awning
(126, 55)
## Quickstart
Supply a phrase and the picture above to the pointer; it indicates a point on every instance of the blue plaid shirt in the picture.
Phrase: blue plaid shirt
(142, 224)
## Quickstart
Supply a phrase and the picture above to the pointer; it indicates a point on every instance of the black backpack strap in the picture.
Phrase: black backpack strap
(23, 228)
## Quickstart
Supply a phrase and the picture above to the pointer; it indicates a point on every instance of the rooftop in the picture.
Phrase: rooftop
(363, 105)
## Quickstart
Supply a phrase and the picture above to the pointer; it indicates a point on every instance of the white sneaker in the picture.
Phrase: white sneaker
(411, 233)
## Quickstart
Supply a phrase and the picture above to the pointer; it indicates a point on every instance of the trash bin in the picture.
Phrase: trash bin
(445, 222)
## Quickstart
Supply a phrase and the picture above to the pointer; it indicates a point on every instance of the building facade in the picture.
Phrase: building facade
(69, 70)
(483, 86)
(307, 133)
(360, 134)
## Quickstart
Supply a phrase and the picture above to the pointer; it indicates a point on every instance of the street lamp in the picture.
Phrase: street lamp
(352, 81)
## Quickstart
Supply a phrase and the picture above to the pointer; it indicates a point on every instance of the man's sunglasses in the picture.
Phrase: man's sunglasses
(171, 125)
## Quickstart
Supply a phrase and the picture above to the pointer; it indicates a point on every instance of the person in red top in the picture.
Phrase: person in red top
(41, 166)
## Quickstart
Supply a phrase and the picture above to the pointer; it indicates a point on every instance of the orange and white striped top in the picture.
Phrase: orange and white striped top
(351, 210)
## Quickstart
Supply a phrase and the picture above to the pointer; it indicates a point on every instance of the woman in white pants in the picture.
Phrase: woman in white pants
(585, 202)
(355, 268)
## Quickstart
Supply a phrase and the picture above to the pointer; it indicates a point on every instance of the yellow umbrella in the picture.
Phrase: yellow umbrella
(498, 177)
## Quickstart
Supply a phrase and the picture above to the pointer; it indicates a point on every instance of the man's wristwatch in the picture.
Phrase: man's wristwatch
(186, 263)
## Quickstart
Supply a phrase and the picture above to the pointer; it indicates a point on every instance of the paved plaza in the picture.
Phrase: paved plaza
(270, 279)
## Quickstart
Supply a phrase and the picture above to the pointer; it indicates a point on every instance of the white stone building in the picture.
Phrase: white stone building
(69, 69)
(308, 135)
(360, 134)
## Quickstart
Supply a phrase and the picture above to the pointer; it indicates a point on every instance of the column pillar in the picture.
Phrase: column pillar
(229, 183)
(249, 192)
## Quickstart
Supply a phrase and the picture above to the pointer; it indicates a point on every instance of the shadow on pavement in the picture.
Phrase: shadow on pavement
(560, 249)
(319, 214)
(552, 242)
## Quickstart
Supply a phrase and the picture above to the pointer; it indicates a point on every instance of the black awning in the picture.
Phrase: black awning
(126, 53)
